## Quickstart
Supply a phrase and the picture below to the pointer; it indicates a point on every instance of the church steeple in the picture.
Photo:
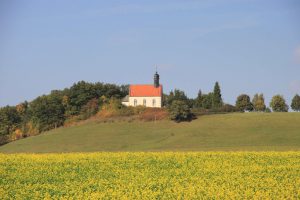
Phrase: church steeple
(156, 80)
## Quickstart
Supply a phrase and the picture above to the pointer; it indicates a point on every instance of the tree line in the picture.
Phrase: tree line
(83, 100)
(46, 112)
(182, 108)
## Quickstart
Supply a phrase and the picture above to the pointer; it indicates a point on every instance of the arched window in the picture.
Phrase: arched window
(135, 102)
(144, 102)
(153, 102)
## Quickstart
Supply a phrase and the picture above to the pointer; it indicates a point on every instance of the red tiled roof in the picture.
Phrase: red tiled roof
(145, 91)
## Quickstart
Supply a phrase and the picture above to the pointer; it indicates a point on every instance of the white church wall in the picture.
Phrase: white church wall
(153, 102)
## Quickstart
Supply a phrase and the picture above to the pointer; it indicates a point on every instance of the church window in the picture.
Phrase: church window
(153, 102)
(135, 102)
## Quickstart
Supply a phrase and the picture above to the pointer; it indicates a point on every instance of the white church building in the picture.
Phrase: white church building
(150, 95)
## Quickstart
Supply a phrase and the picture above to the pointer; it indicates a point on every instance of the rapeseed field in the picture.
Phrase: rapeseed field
(166, 175)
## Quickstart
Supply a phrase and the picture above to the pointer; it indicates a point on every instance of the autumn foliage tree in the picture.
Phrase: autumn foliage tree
(258, 102)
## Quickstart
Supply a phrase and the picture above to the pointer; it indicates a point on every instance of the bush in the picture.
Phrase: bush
(180, 111)
(153, 114)
(4, 139)
(126, 111)
(139, 110)
(268, 110)
(227, 108)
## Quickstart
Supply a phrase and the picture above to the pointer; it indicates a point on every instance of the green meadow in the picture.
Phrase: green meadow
(223, 132)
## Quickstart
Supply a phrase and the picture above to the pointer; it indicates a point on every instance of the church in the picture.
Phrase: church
(149, 95)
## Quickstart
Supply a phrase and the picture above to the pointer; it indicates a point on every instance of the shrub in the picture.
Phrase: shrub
(139, 110)
(16, 135)
(180, 111)
(4, 139)
(152, 114)
(228, 108)
(268, 110)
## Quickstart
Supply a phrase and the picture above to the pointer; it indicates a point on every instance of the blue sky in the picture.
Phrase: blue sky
(249, 46)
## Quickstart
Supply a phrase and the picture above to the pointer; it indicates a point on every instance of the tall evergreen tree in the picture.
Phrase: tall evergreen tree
(207, 101)
(296, 103)
(199, 100)
(217, 97)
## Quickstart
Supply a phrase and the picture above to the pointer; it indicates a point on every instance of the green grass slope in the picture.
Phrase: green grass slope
(229, 132)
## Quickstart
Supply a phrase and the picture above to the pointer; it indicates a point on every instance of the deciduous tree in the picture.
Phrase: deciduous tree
(9, 119)
(296, 103)
(243, 103)
(178, 95)
(47, 112)
(258, 102)
(278, 104)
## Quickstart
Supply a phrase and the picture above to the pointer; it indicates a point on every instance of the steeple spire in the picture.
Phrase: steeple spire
(156, 79)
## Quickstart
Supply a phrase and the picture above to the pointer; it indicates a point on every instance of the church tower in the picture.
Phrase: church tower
(156, 80)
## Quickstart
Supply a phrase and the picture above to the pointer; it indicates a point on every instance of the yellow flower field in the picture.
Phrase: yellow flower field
(201, 175)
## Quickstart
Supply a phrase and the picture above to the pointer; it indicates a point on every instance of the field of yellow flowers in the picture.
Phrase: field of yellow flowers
(199, 175)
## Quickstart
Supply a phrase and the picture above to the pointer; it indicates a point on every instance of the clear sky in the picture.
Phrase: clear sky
(249, 46)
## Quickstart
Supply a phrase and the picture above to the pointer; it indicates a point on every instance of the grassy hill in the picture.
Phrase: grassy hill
(228, 132)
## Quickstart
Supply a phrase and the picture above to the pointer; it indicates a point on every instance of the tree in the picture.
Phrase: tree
(217, 97)
(47, 112)
(176, 95)
(243, 103)
(207, 101)
(278, 104)
(180, 111)
(258, 102)
(23, 111)
(180, 95)
(90, 109)
(168, 98)
(296, 103)
(198, 100)
(82, 92)
(9, 120)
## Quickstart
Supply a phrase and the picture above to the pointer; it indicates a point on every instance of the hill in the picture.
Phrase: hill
(227, 132)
